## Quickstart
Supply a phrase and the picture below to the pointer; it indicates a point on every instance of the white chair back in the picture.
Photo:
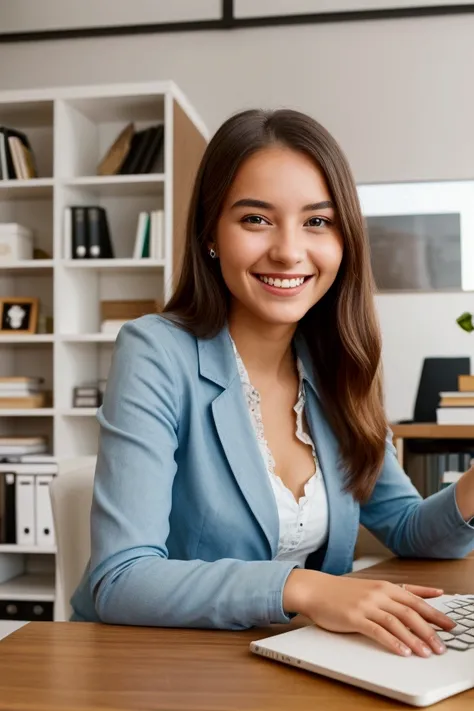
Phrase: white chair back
(71, 499)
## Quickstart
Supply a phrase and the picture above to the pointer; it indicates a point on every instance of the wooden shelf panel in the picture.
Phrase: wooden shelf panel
(431, 430)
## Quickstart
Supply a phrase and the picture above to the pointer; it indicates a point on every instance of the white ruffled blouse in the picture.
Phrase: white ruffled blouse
(303, 523)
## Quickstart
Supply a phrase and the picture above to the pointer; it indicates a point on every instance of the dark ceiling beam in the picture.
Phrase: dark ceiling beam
(228, 21)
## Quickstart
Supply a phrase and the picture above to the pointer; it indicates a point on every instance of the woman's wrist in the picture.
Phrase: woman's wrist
(465, 495)
(299, 590)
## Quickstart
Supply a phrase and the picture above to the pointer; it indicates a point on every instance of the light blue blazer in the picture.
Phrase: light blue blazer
(184, 522)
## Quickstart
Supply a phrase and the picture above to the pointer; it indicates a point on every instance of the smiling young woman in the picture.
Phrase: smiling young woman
(243, 434)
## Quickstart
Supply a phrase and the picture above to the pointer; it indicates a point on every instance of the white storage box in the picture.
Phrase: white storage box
(16, 242)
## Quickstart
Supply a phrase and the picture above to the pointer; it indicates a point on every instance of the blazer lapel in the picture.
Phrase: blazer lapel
(343, 513)
(234, 428)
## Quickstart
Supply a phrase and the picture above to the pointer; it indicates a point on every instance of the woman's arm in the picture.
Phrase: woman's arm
(132, 580)
(465, 495)
(412, 527)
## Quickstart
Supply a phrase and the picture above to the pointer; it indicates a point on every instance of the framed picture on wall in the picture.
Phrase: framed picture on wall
(18, 315)
(421, 235)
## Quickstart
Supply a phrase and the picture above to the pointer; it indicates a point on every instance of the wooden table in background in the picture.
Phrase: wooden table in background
(63, 666)
(428, 430)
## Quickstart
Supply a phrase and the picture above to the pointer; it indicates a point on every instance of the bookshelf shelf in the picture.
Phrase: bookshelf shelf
(88, 337)
(80, 412)
(31, 412)
(119, 185)
(71, 130)
(35, 188)
(14, 548)
(27, 267)
(111, 265)
(29, 587)
(27, 339)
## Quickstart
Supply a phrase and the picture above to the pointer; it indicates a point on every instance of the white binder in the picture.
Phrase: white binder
(25, 509)
(44, 514)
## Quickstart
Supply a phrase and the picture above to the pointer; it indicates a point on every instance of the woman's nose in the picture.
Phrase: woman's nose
(287, 248)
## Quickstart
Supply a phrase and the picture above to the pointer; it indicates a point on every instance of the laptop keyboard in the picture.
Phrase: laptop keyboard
(461, 611)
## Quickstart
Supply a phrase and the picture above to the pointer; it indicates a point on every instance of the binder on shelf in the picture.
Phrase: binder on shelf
(80, 240)
(100, 244)
(25, 509)
(7, 507)
(44, 515)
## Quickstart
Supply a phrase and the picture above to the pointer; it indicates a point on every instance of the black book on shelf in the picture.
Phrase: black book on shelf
(153, 149)
(80, 237)
(7, 508)
(99, 242)
(128, 166)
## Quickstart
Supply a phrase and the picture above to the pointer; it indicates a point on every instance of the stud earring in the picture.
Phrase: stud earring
(212, 253)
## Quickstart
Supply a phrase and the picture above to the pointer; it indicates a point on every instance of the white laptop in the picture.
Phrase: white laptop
(356, 660)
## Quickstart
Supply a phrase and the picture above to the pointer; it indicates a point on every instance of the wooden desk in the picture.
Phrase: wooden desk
(429, 430)
(66, 666)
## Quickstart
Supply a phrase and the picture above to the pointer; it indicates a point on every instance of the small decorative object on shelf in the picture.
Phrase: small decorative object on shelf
(22, 393)
(18, 315)
(16, 242)
(88, 395)
(149, 237)
(86, 233)
(134, 152)
(17, 159)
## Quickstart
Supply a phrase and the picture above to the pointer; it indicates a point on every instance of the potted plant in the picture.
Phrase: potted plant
(465, 321)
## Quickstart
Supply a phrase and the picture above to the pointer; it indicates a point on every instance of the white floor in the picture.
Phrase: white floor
(8, 626)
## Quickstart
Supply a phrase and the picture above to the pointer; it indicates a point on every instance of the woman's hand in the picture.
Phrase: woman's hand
(396, 617)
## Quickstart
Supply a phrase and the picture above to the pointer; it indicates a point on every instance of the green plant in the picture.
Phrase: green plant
(465, 321)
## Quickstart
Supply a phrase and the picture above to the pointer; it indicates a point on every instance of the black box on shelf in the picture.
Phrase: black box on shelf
(27, 610)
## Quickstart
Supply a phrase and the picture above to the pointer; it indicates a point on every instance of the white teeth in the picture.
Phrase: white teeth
(282, 283)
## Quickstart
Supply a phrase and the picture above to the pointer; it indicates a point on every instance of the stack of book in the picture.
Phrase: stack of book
(149, 238)
(457, 408)
(22, 393)
(134, 152)
(23, 449)
(114, 314)
(17, 159)
(86, 233)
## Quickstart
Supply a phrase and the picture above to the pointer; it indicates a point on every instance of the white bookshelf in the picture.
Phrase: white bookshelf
(70, 129)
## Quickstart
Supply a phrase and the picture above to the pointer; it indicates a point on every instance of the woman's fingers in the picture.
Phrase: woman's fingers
(391, 623)
(380, 634)
(423, 591)
(429, 613)
(421, 633)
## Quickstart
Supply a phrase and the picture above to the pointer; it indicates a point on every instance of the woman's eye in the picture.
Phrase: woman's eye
(317, 222)
(255, 220)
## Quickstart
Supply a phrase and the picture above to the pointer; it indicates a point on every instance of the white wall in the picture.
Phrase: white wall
(396, 94)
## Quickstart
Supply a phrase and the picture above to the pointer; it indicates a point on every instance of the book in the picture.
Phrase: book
(6, 155)
(29, 402)
(455, 416)
(99, 244)
(466, 383)
(117, 153)
(456, 399)
(80, 237)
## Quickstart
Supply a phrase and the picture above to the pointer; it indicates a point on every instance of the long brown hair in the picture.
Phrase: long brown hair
(341, 330)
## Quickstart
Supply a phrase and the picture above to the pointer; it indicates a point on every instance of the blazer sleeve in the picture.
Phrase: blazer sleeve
(132, 579)
(410, 525)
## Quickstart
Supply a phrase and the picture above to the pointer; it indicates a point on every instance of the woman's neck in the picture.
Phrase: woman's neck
(264, 348)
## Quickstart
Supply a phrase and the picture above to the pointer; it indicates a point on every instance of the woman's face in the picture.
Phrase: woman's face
(278, 238)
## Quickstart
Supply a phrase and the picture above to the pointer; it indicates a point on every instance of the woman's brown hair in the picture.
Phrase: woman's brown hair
(341, 330)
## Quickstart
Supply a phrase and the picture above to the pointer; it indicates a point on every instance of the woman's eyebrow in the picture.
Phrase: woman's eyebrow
(252, 202)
